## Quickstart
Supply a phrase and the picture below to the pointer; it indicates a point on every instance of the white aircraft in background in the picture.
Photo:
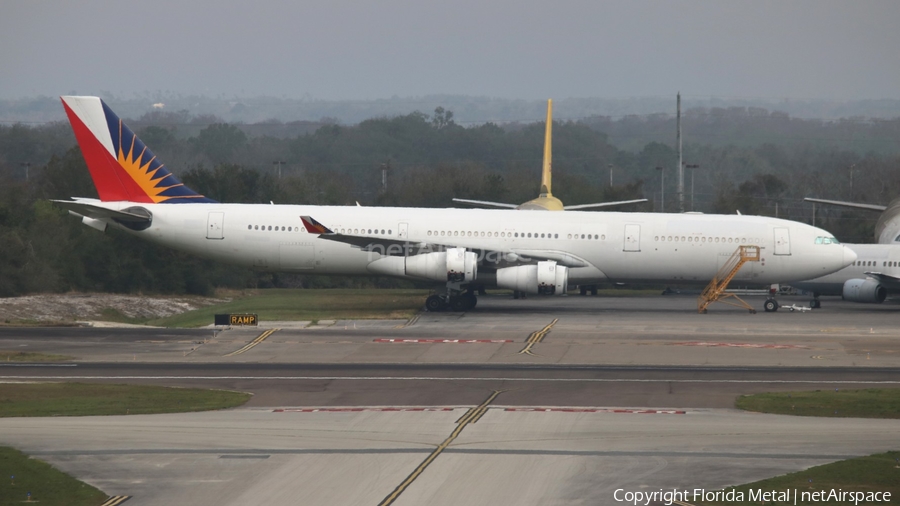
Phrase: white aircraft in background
(876, 273)
(533, 252)
(545, 200)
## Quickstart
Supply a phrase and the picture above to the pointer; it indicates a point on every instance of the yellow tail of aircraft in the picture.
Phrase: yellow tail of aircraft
(545, 200)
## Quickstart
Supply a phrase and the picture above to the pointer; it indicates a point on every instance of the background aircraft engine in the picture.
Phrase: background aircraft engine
(455, 265)
(864, 290)
(545, 278)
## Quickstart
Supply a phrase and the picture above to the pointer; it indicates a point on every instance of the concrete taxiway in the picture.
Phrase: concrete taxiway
(536, 401)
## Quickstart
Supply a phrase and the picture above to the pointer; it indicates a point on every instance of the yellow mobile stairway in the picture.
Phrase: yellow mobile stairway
(715, 291)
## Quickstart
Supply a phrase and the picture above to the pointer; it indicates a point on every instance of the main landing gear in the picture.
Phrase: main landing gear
(459, 302)
(585, 289)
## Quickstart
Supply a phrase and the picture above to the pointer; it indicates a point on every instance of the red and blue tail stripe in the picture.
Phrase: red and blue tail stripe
(121, 165)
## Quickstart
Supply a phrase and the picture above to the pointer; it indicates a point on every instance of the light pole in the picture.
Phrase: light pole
(27, 166)
(278, 164)
(692, 167)
(662, 188)
(610, 175)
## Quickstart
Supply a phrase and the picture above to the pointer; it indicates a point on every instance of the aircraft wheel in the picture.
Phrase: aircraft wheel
(471, 300)
(434, 303)
(771, 306)
(459, 303)
(815, 304)
(582, 290)
(515, 294)
(593, 290)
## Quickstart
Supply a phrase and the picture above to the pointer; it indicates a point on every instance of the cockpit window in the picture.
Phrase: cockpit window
(827, 240)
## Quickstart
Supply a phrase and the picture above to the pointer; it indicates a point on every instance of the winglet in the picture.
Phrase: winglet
(313, 226)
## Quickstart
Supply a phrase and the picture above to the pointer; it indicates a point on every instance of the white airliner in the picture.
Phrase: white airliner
(876, 273)
(530, 251)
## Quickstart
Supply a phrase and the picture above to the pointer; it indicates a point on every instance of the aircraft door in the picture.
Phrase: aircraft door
(215, 226)
(632, 238)
(782, 241)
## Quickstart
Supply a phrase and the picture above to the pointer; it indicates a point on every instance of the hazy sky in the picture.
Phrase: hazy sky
(528, 49)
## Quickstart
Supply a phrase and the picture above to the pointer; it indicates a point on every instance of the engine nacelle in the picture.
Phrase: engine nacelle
(456, 265)
(864, 290)
(545, 278)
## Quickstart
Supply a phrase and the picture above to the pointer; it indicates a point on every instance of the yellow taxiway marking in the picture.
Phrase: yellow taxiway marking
(536, 337)
(471, 416)
(410, 322)
(260, 338)
(116, 500)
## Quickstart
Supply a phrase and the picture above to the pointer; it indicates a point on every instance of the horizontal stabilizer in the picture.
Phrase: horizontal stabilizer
(854, 205)
(486, 203)
(96, 212)
(604, 204)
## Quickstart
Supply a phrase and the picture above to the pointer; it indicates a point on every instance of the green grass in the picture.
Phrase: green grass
(48, 486)
(24, 356)
(867, 403)
(85, 399)
(875, 473)
(310, 304)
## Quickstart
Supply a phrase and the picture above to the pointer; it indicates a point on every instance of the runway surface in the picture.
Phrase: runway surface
(541, 401)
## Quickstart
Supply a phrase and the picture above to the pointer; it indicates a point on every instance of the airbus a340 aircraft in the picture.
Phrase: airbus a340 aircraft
(530, 251)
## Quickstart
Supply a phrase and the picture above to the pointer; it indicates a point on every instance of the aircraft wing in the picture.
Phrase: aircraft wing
(87, 208)
(392, 246)
(486, 203)
(604, 204)
(890, 282)
(854, 205)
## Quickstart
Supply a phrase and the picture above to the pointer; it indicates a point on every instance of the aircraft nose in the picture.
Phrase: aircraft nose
(849, 256)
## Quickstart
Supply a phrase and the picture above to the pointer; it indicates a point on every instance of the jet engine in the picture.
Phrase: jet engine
(545, 278)
(455, 265)
(864, 290)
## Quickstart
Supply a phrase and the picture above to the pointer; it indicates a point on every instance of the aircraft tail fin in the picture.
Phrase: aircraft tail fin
(546, 169)
(122, 167)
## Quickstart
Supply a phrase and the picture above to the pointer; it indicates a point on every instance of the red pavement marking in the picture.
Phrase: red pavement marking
(605, 410)
(443, 341)
(340, 410)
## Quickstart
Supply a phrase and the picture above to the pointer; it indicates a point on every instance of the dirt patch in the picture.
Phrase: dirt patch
(96, 306)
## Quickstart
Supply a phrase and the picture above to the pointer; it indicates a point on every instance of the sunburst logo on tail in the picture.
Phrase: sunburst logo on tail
(142, 166)
(150, 178)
